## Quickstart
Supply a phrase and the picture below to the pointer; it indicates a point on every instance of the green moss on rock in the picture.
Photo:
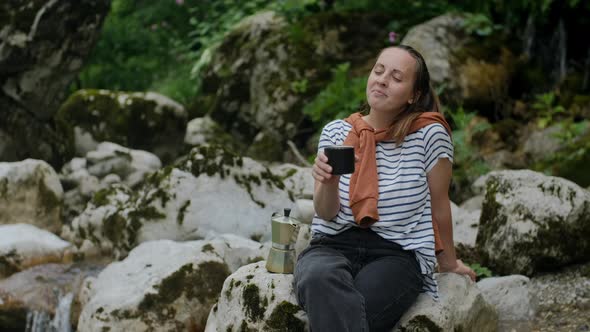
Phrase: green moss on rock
(203, 284)
(421, 323)
(283, 318)
(182, 211)
(252, 303)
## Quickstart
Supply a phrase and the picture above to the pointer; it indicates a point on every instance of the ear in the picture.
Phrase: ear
(416, 96)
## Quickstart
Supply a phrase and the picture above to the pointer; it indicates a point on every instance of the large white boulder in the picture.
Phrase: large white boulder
(530, 222)
(30, 193)
(163, 285)
(23, 245)
(252, 299)
(461, 307)
(210, 192)
(456, 61)
(515, 303)
(465, 224)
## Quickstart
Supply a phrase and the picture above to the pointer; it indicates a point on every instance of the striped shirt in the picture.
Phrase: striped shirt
(405, 216)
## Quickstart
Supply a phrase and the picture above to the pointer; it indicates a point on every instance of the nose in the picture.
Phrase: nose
(381, 80)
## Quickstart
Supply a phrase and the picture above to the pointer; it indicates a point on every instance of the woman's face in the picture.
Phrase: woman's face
(390, 86)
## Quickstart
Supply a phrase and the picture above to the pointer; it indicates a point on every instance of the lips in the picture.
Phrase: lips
(378, 93)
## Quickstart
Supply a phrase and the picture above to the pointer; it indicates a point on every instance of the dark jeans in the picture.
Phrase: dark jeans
(356, 281)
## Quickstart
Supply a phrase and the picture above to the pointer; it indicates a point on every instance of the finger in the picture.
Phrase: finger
(322, 157)
(322, 165)
(320, 173)
(356, 158)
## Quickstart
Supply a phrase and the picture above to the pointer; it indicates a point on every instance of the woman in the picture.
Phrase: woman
(376, 231)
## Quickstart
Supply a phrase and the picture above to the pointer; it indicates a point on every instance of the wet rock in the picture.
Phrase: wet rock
(30, 193)
(23, 246)
(38, 291)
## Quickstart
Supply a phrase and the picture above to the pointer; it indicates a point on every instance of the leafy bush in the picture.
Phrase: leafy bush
(340, 98)
(480, 271)
(143, 46)
(468, 164)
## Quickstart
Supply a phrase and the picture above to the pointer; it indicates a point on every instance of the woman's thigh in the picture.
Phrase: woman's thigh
(390, 285)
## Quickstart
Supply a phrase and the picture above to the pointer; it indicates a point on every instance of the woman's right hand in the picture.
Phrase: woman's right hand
(322, 172)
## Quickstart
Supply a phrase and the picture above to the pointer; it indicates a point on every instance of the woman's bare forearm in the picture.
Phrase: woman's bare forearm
(447, 259)
(326, 200)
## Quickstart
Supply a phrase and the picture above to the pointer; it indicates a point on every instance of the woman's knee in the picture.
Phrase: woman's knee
(319, 268)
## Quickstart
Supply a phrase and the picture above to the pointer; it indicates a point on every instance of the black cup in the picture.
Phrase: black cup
(341, 158)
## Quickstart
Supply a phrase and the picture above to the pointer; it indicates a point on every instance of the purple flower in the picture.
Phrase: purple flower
(180, 2)
(392, 37)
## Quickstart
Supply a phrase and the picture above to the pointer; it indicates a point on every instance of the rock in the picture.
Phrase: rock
(140, 120)
(525, 218)
(465, 225)
(304, 211)
(473, 204)
(130, 165)
(41, 55)
(255, 300)
(23, 246)
(37, 291)
(204, 130)
(30, 193)
(210, 191)
(461, 307)
(515, 304)
(303, 239)
(464, 66)
(109, 164)
(298, 179)
(564, 298)
(252, 299)
(161, 285)
(542, 143)
(259, 104)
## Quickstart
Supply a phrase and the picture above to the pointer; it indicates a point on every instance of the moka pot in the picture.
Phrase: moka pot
(285, 229)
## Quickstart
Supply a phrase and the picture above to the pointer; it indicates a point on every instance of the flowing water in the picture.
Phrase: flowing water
(40, 321)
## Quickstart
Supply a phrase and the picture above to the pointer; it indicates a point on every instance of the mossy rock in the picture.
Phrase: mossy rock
(571, 162)
(41, 56)
(525, 217)
(145, 121)
(248, 87)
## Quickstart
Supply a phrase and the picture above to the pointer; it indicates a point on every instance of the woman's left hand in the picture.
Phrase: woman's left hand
(461, 268)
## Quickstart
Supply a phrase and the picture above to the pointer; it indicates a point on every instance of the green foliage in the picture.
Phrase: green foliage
(479, 24)
(545, 105)
(341, 97)
(480, 271)
(211, 20)
(468, 164)
(143, 46)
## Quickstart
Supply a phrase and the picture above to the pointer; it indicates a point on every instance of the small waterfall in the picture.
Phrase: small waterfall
(529, 36)
(561, 51)
(39, 321)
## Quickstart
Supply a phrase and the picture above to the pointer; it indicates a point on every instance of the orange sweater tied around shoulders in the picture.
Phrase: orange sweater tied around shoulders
(364, 195)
